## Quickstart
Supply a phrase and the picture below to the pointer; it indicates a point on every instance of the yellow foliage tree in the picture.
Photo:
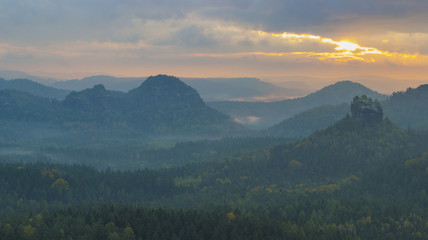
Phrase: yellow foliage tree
(128, 233)
(60, 185)
(294, 163)
(28, 232)
(230, 216)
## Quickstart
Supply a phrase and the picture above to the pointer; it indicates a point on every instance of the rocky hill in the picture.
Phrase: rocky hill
(94, 99)
(406, 109)
(366, 110)
(210, 89)
(164, 90)
(267, 114)
(167, 104)
(349, 146)
(161, 105)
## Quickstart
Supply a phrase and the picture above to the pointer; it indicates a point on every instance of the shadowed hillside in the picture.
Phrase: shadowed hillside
(34, 88)
(162, 105)
(260, 115)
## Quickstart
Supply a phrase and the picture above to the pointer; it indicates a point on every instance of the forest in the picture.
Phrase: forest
(362, 177)
(283, 191)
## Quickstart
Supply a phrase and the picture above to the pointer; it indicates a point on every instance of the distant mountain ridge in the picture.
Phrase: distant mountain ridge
(271, 113)
(210, 89)
(406, 109)
(340, 92)
(109, 82)
(10, 75)
(246, 89)
(161, 105)
(34, 88)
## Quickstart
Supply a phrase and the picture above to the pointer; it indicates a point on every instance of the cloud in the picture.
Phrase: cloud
(238, 37)
(38, 20)
(13, 50)
(399, 42)
(203, 23)
(315, 47)
(329, 16)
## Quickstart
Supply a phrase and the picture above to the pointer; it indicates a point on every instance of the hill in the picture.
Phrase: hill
(325, 159)
(21, 106)
(260, 115)
(10, 75)
(348, 147)
(34, 88)
(162, 105)
(340, 161)
(305, 123)
(361, 178)
(210, 89)
(407, 109)
(91, 99)
(167, 104)
(109, 82)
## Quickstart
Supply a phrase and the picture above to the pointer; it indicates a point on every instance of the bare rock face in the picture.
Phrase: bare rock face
(366, 110)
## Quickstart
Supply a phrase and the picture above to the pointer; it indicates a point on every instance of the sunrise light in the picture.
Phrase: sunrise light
(344, 50)
(345, 45)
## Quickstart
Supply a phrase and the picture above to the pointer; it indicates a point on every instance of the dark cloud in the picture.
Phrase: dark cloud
(41, 20)
(194, 37)
(331, 15)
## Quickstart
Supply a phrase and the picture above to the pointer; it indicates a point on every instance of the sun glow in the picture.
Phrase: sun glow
(318, 47)
(345, 45)
(293, 35)
(345, 50)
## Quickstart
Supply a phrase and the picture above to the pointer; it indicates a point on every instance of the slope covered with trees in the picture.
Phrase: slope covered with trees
(408, 108)
(308, 122)
(33, 88)
(210, 89)
(271, 113)
(162, 105)
(361, 178)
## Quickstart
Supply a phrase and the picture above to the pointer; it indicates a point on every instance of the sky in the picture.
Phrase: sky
(382, 43)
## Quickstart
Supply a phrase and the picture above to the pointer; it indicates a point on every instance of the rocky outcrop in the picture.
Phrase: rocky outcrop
(94, 99)
(161, 105)
(366, 110)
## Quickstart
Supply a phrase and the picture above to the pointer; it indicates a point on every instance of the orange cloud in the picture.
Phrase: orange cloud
(343, 51)
(16, 50)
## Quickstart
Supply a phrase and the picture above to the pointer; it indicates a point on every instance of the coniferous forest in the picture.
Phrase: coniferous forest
(102, 174)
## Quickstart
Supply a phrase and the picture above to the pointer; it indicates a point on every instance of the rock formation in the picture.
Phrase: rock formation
(366, 110)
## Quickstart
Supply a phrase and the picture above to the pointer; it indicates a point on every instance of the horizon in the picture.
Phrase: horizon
(306, 83)
(381, 45)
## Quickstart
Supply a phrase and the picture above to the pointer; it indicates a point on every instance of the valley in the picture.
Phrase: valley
(103, 164)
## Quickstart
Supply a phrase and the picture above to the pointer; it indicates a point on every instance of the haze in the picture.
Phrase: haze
(382, 44)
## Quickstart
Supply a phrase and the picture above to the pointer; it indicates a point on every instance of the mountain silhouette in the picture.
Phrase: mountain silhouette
(271, 113)
(161, 105)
